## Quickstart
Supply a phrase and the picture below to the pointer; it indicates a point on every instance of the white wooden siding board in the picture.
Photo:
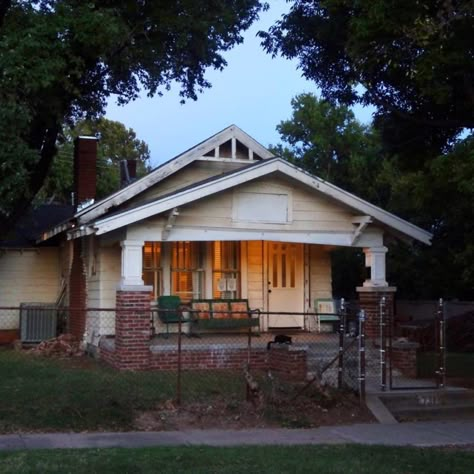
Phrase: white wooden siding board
(226, 182)
(28, 276)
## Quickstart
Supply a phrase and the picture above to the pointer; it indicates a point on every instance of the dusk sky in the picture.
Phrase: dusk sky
(254, 92)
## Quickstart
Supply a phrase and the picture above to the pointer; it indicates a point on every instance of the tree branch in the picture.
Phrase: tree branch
(36, 179)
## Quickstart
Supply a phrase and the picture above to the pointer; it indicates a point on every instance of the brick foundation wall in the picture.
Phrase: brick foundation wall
(404, 358)
(287, 363)
(369, 301)
(8, 336)
(77, 292)
(209, 359)
(132, 330)
(108, 356)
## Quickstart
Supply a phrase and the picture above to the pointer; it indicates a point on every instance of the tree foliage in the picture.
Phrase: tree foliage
(328, 141)
(438, 197)
(60, 60)
(116, 143)
(412, 60)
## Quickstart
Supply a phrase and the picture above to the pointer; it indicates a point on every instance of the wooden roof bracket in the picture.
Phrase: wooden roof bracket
(169, 225)
(362, 222)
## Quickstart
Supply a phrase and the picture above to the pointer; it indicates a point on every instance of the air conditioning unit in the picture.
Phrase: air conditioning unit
(38, 321)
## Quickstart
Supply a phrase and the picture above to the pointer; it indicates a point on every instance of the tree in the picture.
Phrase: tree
(116, 143)
(328, 141)
(441, 198)
(438, 197)
(412, 60)
(60, 61)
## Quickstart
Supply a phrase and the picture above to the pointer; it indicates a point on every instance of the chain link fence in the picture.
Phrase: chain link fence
(188, 364)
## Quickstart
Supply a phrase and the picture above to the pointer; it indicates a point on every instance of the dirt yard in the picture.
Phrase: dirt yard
(340, 408)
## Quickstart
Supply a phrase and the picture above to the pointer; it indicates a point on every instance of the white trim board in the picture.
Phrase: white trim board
(258, 170)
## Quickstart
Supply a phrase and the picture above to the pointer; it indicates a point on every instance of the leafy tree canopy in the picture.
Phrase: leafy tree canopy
(327, 140)
(116, 143)
(60, 60)
(412, 59)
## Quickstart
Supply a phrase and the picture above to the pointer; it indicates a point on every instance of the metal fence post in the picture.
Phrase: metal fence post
(342, 330)
(442, 345)
(178, 380)
(383, 344)
(362, 355)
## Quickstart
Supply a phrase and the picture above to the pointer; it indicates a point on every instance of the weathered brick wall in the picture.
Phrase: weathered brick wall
(108, 356)
(287, 362)
(77, 292)
(369, 301)
(85, 169)
(404, 358)
(209, 359)
(132, 330)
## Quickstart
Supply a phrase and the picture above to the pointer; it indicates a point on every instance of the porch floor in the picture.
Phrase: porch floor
(325, 342)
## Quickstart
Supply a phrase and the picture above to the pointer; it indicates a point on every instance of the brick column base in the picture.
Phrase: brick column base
(289, 363)
(369, 301)
(404, 357)
(132, 329)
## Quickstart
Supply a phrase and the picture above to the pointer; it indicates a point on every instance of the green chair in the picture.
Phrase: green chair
(169, 311)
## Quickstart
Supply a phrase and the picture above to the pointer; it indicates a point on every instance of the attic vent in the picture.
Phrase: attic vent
(37, 321)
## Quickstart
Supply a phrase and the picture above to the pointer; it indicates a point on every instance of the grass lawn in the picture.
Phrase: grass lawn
(263, 459)
(54, 395)
(458, 364)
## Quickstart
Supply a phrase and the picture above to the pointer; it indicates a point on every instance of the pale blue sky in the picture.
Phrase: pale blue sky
(254, 92)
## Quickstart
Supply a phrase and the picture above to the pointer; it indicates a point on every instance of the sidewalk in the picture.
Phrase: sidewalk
(414, 434)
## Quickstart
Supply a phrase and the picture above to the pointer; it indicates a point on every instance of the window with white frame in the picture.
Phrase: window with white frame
(226, 270)
(187, 270)
(152, 272)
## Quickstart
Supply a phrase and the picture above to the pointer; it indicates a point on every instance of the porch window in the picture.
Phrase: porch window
(226, 270)
(187, 270)
(152, 266)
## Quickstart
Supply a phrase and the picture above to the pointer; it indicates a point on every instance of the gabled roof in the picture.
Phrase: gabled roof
(170, 167)
(257, 170)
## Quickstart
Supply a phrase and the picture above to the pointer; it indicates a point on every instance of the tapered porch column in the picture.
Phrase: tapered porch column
(375, 260)
(375, 288)
(132, 262)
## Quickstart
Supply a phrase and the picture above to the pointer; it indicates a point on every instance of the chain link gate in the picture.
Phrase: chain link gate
(403, 343)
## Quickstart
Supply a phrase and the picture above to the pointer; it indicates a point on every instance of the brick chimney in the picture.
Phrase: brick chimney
(85, 169)
(128, 172)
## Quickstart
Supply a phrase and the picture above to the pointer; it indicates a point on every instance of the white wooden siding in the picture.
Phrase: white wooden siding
(101, 291)
(28, 276)
(320, 273)
(310, 211)
(194, 172)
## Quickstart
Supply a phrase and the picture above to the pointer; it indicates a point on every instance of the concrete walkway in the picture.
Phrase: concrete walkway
(402, 434)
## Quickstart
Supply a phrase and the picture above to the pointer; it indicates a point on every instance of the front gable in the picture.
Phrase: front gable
(225, 151)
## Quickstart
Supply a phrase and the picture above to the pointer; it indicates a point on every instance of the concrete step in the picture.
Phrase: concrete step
(430, 404)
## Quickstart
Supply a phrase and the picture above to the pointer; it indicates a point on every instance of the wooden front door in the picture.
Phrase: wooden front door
(285, 284)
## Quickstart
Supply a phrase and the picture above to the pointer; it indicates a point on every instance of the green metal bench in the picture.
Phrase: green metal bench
(224, 314)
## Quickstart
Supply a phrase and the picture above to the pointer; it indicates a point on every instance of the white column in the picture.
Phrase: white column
(132, 263)
(375, 259)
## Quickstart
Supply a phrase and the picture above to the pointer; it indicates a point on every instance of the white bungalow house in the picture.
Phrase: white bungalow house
(224, 219)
